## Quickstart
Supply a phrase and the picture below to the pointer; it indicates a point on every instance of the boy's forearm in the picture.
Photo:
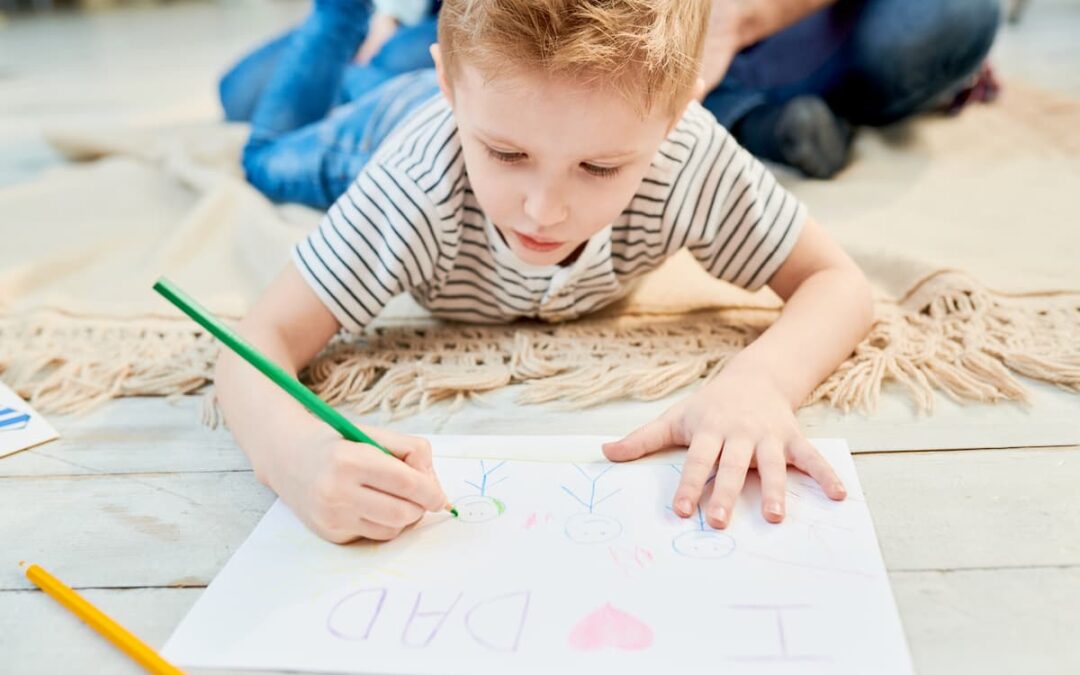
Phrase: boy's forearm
(761, 18)
(261, 416)
(820, 325)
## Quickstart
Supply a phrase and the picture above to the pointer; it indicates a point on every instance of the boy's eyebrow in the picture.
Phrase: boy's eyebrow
(496, 140)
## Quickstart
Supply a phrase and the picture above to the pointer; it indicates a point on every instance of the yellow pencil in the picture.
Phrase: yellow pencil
(143, 654)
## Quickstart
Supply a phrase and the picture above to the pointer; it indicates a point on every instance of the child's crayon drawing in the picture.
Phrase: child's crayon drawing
(481, 507)
(703, 541)
(21, 427)
(592, 572)
(769, 622)
(591, 527)
(13, 419)
(417, 619)
(631, 560)
(611, 627)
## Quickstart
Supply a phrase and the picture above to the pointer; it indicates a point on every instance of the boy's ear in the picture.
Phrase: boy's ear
(440, 72)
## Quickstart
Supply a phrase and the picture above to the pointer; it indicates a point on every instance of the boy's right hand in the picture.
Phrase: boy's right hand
(345, 491)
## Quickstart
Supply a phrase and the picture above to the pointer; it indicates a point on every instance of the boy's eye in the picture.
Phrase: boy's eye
(601, 171)
(508, 157)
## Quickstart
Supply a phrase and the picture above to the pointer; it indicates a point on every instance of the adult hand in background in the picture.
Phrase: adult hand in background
(736, 24)
(381, 29)
(722, 41)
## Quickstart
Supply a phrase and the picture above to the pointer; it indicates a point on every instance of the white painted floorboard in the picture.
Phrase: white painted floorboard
(143, 506)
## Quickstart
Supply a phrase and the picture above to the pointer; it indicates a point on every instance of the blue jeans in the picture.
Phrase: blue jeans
(407, 50)
(316, 118)
(873, 61)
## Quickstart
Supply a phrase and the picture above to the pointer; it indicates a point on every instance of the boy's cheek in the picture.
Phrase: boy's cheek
(497, 203)
(496, 195)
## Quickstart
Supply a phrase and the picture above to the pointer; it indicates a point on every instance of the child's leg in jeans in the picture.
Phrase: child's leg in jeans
(309, 71)
(314, 165)
(243, 84)
(305, 83)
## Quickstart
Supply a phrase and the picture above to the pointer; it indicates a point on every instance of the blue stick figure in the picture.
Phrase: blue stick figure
(703, 541)
(591, 527)
(481, 507)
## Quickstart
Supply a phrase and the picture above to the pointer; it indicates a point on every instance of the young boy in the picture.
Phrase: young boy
(563, 158)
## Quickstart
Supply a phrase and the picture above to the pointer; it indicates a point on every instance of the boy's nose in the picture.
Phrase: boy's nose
(545, 208)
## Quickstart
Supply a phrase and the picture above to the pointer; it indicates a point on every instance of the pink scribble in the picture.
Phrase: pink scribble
(534, 519)
(610, 627)
(643, 556)
(630, 559)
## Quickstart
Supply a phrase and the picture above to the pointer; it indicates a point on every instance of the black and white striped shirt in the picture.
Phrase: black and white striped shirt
(411, 223)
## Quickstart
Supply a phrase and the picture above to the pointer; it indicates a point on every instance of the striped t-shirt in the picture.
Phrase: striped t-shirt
(411, 223)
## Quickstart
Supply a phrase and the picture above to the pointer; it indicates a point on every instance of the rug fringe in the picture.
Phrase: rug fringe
(69, 365)
(948, 335)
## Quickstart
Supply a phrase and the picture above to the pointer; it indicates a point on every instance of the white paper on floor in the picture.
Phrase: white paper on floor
(560, 567)
(21, 426)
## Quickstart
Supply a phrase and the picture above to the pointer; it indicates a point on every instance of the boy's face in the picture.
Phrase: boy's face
(551, 162)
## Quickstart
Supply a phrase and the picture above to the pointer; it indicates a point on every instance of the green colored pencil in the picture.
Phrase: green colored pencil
(290, 384)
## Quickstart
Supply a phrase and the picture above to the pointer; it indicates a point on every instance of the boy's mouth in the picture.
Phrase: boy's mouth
(540, 245)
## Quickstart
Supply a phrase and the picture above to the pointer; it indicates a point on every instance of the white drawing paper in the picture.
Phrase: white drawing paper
(562, 567)
(21, 426)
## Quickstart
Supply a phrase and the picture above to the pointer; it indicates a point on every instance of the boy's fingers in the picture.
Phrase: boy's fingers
(700, 460)
(656, 435)
(384, 509)
(417, 455)
(807, 458)
(395, 477)
(772, 469)
(414, 450)
(730, 476)
(368, 529)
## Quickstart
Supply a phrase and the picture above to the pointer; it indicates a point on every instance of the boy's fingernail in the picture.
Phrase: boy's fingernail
(839, 489)
(719, 514)
(775, 509)
(683, 506)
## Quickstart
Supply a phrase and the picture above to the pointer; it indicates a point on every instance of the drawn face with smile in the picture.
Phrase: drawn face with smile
(478, 509)
(592, 528)
(704, 544)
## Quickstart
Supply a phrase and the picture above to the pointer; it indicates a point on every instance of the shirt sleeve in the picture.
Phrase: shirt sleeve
(378, 239)
(736, 218)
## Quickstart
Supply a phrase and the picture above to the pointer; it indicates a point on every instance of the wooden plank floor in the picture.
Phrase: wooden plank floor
(139, 506)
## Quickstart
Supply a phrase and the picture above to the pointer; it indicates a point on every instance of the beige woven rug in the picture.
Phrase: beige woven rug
(990, 192)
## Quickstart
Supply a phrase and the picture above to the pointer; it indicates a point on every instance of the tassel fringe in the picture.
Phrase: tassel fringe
(948, 335)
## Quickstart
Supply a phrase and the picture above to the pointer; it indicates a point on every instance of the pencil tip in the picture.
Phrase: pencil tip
(453, 511)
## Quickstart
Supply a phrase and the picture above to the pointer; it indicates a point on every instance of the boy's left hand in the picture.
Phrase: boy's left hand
(743, 421)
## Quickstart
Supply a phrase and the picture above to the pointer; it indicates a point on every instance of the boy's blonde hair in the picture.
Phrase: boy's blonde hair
(647, 50)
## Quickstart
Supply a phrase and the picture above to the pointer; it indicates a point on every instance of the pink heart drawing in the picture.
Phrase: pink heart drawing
(610, 627)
